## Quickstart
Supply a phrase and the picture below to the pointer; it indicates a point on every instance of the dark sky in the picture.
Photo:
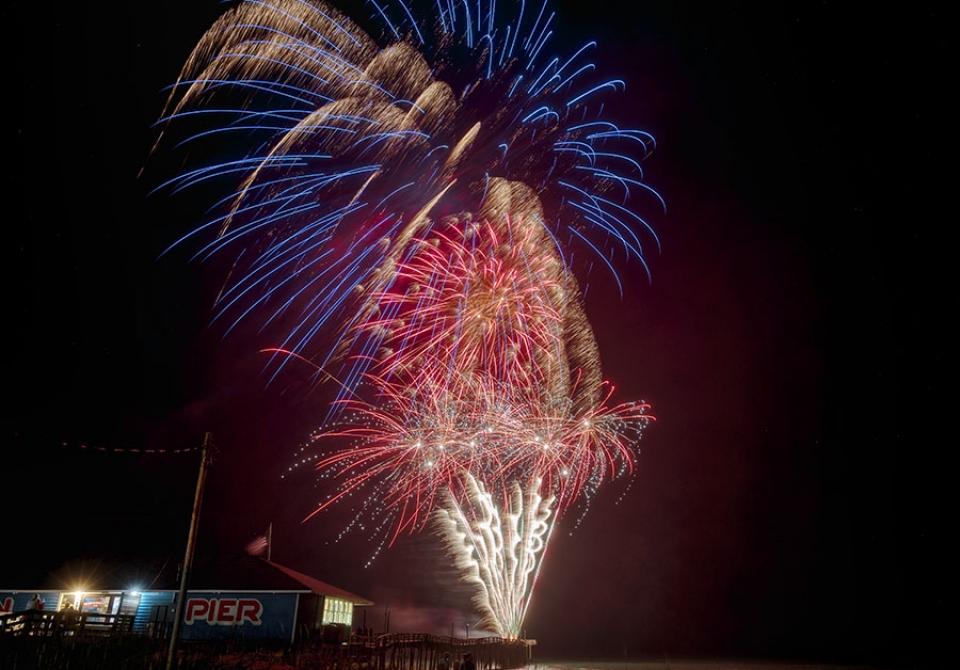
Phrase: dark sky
(791, 498)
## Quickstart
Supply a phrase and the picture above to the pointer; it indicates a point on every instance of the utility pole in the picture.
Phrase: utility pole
(188, 555)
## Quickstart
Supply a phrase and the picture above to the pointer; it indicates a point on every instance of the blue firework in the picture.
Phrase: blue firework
(339, 146)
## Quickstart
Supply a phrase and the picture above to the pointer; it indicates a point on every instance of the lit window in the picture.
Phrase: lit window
(337, 610)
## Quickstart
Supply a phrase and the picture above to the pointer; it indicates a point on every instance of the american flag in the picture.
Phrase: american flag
(260, 544)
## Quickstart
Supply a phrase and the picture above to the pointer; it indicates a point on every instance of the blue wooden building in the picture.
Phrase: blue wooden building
(247, 598)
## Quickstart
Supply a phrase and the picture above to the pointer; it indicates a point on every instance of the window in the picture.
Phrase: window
(337, 610)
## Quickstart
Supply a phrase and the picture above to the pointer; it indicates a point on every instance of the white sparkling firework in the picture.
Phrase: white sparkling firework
(499, 548)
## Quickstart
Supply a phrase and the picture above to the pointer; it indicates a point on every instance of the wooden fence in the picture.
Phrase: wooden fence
(65, 623)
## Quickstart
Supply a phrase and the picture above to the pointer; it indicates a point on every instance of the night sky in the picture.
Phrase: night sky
(791, 499)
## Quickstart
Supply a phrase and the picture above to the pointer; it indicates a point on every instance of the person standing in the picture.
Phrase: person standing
(69, 618)
(468, 663)
(36, 602)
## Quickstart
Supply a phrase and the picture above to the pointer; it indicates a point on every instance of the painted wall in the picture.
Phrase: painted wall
(237, 615)
(208, 615)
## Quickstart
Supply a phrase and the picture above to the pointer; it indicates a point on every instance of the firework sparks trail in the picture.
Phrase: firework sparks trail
(409, 448)
(479, 359)
(498, 548)
(426, 195)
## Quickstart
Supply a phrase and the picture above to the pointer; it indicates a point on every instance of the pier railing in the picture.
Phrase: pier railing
(65, 623)
(89, 641)
(418, 651)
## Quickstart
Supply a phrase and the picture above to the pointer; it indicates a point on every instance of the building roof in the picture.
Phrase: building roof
(254, 573)
(318, 587)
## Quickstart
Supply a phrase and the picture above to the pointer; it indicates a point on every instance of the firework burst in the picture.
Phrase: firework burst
(409, 448)
(424, 194)
(346, 151)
